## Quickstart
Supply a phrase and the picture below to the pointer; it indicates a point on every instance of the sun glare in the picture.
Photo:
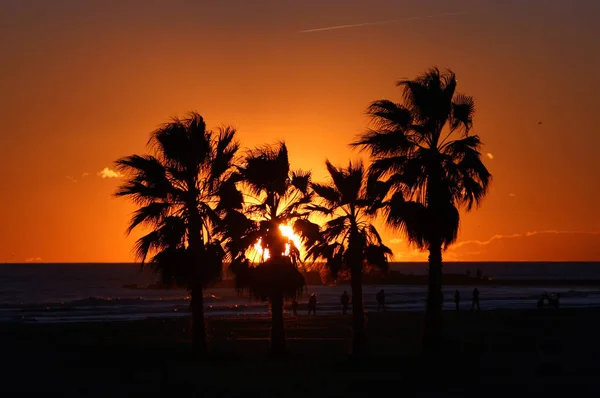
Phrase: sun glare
(287, 232)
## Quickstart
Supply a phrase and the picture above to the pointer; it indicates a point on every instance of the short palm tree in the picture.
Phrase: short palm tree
(348, 242)
(275, 197)
(429, 163)
(183, 190)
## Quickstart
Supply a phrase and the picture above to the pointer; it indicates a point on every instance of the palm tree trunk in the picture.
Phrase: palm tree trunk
(433, 330)
(359, 340)
(278, 345)
(196, 248)
(199, 343)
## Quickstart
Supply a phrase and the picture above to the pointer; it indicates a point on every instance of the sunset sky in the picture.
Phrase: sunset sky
(85, 82)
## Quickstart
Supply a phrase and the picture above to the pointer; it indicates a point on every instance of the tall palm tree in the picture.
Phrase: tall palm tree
(183, 189)
(348, 242)
(275, 197)
(423, 152)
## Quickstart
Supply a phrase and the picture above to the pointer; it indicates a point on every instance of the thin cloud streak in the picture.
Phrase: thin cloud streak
(522, 235)
(382, 22)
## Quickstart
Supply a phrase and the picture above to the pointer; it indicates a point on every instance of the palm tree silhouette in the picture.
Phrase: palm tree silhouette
(183, 190)
(427, 162)
(275, 196)
(348, 242)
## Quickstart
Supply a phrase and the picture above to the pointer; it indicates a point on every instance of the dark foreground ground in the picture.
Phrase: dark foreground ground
(495, 353)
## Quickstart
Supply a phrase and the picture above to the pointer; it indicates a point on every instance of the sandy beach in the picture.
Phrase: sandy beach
(493, 352)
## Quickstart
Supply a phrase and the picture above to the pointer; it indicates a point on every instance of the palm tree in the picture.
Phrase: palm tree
(183, 189)
(275, 197)
(429, 164)
(348, 242)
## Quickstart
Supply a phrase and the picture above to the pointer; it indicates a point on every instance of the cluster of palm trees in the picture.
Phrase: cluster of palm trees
(207, 204)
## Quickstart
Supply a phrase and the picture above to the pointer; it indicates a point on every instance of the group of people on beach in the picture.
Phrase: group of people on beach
(474, 302)
(312, 305)
(380, 298)
(552, 299)
(344, 300)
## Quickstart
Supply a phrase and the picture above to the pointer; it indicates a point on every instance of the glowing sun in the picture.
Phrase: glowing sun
(287, 232)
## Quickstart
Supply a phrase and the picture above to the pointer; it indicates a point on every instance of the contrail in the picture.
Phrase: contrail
(382, 22)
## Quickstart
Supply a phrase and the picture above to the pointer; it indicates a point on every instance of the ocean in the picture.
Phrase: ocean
(37, 292)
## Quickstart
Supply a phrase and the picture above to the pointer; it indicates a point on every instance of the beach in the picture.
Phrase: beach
(66, 293)
(495, 352)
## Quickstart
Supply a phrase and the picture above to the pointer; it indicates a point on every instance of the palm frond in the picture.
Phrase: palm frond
(147, 179)
(174, 266)
(378, 256)
(373, 235)
(376, 191)
(148, 166)
(211, 270)
(333, 229)
(463, 109)
(314, 208)
(388, 115)
(145, 245)
(410, 218)
(229, 196)
(301, 180)
(224, 153)
(384, 142)
(308, 231)
(447, 222)
(267, 170)
(331, 196)
(151, 214)
(333, 254)
(140, 193)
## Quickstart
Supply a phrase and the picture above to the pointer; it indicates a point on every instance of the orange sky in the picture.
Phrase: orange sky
(85, 82)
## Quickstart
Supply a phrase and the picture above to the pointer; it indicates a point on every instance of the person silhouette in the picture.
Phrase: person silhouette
(553, 299)
(294, 307)
(380, 297)
(345, 300)
(475, 300)
(312, 304)
(457, 300)
(540, 303)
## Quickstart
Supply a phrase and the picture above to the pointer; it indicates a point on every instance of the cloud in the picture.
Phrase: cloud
(489, 155)
(522, 235)
(85, 174)
(395, 241)
(382, 22)
(70, 178)
(109, 173)
(512, 195)
(33, 259)
(411, 255)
